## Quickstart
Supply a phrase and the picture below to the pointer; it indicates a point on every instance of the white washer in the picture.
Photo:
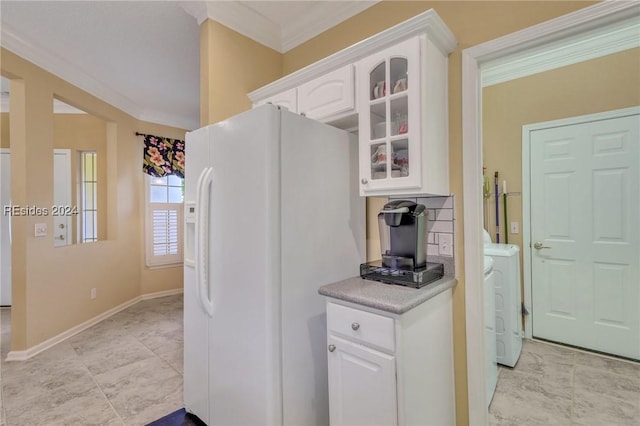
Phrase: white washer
(490, 328)
(508, 302)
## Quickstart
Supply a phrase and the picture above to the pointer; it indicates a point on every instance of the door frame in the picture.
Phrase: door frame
(513, 56)
(68, 191)
(4, 151)
(526, 193)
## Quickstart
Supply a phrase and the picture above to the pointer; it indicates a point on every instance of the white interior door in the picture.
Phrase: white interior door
(61, 197)
(585, 234)
(5, 228)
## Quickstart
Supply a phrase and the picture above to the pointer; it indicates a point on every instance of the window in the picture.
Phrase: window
(164, 220)
(88, 197)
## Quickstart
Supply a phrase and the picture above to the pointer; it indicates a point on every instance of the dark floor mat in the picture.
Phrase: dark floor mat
(178, 418)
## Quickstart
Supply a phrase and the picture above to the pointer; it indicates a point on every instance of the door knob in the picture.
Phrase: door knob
(61, 226)
(538, 245)
(364, 181)
(355, 326)
(332, 348)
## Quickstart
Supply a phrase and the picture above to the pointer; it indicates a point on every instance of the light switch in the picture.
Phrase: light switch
(40, 230)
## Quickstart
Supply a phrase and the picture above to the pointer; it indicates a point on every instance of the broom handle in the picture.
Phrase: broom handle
(495, 184)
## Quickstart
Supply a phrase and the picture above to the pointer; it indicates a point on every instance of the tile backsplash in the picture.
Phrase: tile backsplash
(440, 225)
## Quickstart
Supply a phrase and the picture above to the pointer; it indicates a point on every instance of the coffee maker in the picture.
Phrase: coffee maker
(402, 225)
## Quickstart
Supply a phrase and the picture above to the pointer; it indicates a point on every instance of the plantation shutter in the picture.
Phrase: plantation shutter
(165, 236)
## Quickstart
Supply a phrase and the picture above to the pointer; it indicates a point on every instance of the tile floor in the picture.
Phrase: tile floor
(126, 370)
(555, 385)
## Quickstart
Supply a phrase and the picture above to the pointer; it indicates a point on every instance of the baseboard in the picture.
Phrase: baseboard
(155, 295)
(35, 350)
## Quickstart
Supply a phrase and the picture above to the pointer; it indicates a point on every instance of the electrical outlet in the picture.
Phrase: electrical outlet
(40, 230)
(515, 228)
(93, 293)
(445, 244)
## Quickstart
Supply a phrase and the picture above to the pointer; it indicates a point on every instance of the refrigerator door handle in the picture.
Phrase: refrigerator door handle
(202, 259)
(198, 236)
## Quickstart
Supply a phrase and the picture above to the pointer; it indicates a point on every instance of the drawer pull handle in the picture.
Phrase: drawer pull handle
(332, 348)
(355, 326)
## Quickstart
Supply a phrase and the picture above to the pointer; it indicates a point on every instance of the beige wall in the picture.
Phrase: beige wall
(603, 84)
(51, 286)
(4, 130)
(231, 65)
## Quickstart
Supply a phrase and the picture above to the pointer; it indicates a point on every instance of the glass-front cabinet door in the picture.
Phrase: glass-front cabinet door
(389, 124)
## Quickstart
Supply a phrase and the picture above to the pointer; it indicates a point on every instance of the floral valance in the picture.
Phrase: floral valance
(163, 156)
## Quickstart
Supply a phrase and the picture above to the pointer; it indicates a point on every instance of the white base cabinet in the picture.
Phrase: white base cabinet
(362, 385)
(389, 369)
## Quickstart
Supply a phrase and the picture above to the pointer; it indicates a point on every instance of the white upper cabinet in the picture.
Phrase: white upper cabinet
(331, 95)
(404, 148)
(392, 88)
(287, 99)
(389, 122)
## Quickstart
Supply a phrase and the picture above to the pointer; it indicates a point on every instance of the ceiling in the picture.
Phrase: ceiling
(143, 56)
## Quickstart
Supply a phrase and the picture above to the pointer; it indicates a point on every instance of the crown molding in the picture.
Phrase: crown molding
(312, 25)
(56, 65)
(246, 21)
(601, 41)
(428, 23)
(251, 24)
(197, 9)
(10, 40)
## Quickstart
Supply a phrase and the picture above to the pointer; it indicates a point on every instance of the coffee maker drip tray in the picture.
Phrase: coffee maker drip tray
(416, 278)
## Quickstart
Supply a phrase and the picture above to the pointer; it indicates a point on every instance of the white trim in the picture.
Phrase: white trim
(164, 293)
(246, 21)
(579, 48)
(473, 239)
(252, 24)
(49, 343)
(473, 59)
(526, 192)
(312, 24)
(197, 9)
(52, 63)
(426, 22)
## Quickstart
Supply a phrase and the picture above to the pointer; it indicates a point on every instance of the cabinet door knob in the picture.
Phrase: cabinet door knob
(332, 348)
(355, 326)
(364, 181)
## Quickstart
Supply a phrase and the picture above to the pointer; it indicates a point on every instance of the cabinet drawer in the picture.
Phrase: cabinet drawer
(363, 326)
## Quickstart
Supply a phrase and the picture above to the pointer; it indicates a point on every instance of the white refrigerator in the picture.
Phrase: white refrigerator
(272, 213)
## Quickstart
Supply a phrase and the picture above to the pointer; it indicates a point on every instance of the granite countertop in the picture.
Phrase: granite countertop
(396, 299)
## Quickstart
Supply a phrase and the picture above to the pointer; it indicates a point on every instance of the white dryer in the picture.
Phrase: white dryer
(490, 329)
(508, 302)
